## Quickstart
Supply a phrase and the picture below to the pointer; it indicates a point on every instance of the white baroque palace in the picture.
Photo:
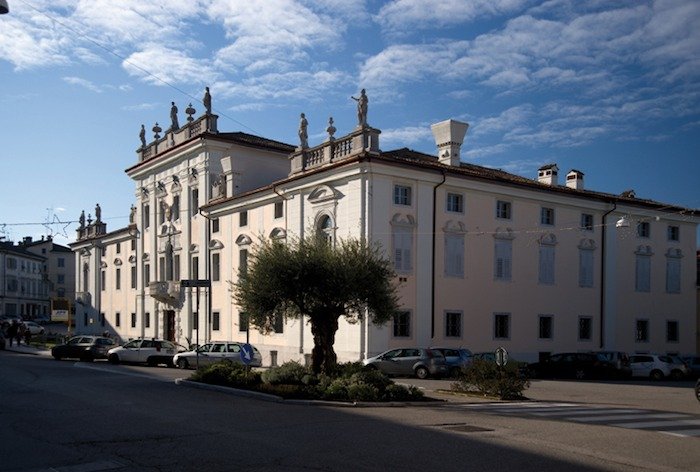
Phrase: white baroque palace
(484, 258)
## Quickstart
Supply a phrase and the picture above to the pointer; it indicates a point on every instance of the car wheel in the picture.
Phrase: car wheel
(113, 358)
(697, 390)
(656, 375)
(183, 364)
(422, 372)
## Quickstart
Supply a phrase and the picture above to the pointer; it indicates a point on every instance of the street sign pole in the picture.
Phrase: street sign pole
(197, 340)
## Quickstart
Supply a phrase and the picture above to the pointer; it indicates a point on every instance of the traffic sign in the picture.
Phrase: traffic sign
(501, 356)
(247, 353)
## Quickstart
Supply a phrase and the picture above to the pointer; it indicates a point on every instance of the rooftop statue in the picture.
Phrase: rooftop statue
(303, 135)
(142, 135)
(132, 214)
(361, 109)
(173, 118)
(81, 220)
(98, 214)
(206, 101)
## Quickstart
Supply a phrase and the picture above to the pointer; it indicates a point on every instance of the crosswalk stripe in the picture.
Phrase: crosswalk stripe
(632, 417)
(585, 412)
(682, 433)
(657, 424)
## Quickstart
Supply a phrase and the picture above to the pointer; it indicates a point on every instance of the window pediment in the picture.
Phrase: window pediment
(215, 244)
(586, 243)
(278, 233)
(324, 193)
(146, 257)
(549, 239)
(117, 262)
(243, 240)
(103, 265)
(132, 259)
(194, 248)
(454, 227)
(403, 220)
(504, 233)
(675, 253)
(643, 250)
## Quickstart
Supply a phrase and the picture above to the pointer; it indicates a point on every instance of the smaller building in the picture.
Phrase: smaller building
(23, 282)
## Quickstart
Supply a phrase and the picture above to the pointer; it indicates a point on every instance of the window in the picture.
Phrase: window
(102, 319)
(545, 328)
(119, 248)
(215, 266)
(642, 277)
(278, 323)
(455, 203)
(503, 210)
(147, 274)
(279, 209)
(454, 255)
(11, 263)
(585, 267)
(195, 267)
(194, 204)
(586, 222)
(161, 212)
(147, 320)
(117, 319)
(175, 209)
(402, 324)
(146, 216)
(547, 216)
(215, 225)
(215, 321)
(133, 244)
(585, 328)
(673, 274)
(503, 259)
(61, 279)
(672, 331)
(546, 269)
(403, 244)
(133, 276)
(161, 268)
(242, 263)
(501, 326)
(453, 324)
(133, 320)
(642, 331)
(325, 228)
(243, 218)
(643, 229)
(103, 279)
(242, 322)
(61, 262)
(402, 195)
(673, 233)
(176, 267)
(118, 279)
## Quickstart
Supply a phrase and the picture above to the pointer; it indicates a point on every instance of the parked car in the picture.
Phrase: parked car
(693, 363)
(619, 360)
(420, 362)
(7, 320)
(679, 369)
(215, 352)
(42, 319)
(33, 328)
(456, 358)
(697, 390)
(144, 351)
(576, 365)
(490, 356)
(2, 340)
(651, 365)
(85, 348)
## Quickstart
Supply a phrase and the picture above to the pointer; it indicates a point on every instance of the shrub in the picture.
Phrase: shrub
(360, 391)
(399, 393)
(487, 378)
(289, 373)
(336, 390)
(347, 369)
(228, 374)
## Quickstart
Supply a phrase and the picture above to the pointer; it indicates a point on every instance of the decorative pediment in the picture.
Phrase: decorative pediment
(103, 265)
(278, 233)
(674, 252)
(160, 189)
(586, 243)
(403, 220)
(453, 226)
(194, 248)
(643, 250)
(324, 193)
(244, 240)
(548, 239)
(192, 176)
(215, 244)
(144, 193)
(146, 257)
(117, 262)
(132, 259)
(175, 186)
(504, 233)
(85, 252)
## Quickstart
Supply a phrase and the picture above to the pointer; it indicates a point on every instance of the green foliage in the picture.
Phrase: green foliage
(289, 373)
(319, 281)
(228, 374)
(487, 378)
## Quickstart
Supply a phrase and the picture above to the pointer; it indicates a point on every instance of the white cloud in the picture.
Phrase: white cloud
(141, 106)
(158, 65)
(82, 83)
(406, 135)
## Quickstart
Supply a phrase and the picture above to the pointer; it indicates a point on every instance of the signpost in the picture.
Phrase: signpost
(501, 356)
(247, 354)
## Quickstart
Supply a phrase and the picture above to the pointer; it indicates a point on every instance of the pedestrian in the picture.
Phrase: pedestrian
(27, 335)
(20, 332)
(12, 331)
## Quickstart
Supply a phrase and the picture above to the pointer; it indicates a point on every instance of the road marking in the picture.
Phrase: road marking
(614, 418)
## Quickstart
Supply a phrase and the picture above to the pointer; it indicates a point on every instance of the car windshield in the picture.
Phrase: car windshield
(204, 348)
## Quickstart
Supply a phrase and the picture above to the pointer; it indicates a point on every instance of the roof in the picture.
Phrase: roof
(9, 247)
(255, 141)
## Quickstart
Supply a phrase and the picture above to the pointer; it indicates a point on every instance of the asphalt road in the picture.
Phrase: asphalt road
(69, 417)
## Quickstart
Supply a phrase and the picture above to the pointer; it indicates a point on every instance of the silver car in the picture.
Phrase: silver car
(215, 352)
(420, 362)
(144, 351)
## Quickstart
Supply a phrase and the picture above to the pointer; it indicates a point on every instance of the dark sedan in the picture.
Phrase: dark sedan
(572, 365)
(85, 348)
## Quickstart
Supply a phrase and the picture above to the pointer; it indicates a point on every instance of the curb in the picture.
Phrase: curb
(277, 399)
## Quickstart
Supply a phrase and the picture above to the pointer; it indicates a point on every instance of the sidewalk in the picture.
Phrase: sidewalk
(24, 349)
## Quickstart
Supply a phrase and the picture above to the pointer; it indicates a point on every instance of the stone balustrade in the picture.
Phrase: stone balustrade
(361, 140)
(205, 123)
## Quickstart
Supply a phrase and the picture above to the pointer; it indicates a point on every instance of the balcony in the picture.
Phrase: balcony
(166, 292)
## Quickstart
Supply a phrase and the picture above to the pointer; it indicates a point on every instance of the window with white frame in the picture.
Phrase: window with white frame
(216, 267)
(118, 279)
(325, 228)
(402, 242)
(194, 201)
(216, 321)
(147, 320)
(454, 255)
(642, 331)
(642, 273)
(146, 216)
(453, 324)
(673, 272)
(133, 320)
(278, 323)
(195, 267)
(585, 266)
(547, 216)
(215, 225)
(503, 259)
(402, 324)
(672, 331)
(279, 209)
(133, 276)
(243, 219)
(402, 195)
(586, 222)
(585, 328)
(147, 274)
(455, 202)
(546, 266)
(545, 326)
(674, 233)
(503, 210)
(643, 229)
(117, 319)
(501, 325)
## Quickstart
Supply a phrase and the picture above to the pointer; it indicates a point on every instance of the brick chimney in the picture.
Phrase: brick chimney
(449, 136)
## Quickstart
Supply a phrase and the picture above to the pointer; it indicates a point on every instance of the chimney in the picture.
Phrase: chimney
(548, 175)
(449, 136)
(574, 179)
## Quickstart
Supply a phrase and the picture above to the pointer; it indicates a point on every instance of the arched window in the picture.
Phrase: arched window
(325, 227)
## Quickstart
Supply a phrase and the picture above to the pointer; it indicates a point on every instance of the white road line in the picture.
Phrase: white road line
(613, 418)
(657, 424)
(682, 433)
(584, 412)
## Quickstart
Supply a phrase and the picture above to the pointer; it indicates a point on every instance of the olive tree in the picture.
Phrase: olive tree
(319, 282)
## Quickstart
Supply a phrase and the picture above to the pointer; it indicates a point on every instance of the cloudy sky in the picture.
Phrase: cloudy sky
(608, 87)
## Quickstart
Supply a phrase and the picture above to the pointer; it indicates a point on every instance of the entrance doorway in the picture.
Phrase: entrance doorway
(170, 325)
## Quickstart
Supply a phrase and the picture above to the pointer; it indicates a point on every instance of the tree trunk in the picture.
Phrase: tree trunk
(323, 328)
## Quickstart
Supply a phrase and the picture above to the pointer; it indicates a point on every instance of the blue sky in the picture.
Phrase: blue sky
(611, 88)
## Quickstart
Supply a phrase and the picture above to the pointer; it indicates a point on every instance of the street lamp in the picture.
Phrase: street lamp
(4, 7)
